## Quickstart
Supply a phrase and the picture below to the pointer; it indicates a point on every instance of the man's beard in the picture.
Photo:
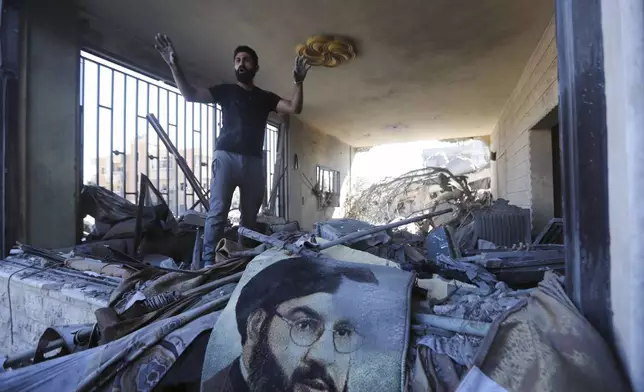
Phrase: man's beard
(245, 77)
(265, 374)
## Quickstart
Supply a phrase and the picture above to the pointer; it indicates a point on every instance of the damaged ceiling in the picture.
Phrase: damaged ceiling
(426, 69)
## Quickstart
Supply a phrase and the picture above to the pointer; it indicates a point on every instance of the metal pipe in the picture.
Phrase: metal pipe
(181, 162)
(185, 150)
(274, 188)
(192, 137)
(176, 140)
(274, 242)
(136, 142)
(124, 168)
(82, 335)
(198, 164)
(468, 327)
(111, 131)
(107, 282)
(147, 134)
(314, 250)
(42, 252)
(167, 152)
(118, 254)
(158, 146)
(19, 358)
(196, 203)
(208, 130)
(98, 127)
(377, 229)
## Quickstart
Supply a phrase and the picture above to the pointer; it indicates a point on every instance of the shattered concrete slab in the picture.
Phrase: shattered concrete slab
(32, 299)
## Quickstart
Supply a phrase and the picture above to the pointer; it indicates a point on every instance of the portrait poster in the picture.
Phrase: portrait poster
(311, 324)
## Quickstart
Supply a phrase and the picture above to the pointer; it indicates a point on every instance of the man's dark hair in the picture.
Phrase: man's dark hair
(249, 50)
(294, 278)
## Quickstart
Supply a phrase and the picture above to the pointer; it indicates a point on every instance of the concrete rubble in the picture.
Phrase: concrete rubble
(475, 263)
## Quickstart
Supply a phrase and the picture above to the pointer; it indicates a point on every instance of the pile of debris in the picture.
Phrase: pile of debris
(417, 192)
(481, 245)
(456, 312)
(478, 280)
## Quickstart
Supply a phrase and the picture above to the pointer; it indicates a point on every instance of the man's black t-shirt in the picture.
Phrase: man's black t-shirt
(244, 117)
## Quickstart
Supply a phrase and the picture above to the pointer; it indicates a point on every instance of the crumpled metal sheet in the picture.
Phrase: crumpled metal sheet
(475, 273)
(439, 242)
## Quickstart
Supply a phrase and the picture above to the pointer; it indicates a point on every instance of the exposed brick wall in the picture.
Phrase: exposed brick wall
(535, 95)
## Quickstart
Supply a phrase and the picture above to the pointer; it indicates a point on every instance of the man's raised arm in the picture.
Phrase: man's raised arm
(294, 106)
(190, 93)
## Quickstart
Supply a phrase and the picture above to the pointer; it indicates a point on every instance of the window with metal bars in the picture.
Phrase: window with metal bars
(119, 144)
(327, 187)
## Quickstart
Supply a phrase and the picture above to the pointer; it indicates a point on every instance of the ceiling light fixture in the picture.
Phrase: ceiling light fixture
(327, 50)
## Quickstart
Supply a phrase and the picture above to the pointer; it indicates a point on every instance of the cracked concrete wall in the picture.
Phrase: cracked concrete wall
(40, 301)
(623, 34)
(313, 148)
(49, 106)
(535, 96)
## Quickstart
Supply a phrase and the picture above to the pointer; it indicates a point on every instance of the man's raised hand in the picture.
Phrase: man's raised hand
(166, 49)
(300, 69)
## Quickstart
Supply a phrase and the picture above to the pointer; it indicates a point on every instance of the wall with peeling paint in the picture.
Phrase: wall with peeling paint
(313, 148)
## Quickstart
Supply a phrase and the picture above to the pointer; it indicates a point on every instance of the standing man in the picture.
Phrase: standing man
(239, 150)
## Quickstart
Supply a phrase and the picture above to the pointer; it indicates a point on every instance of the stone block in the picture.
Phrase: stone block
(4, 308)
(26, 329)
(26, 301)
(39, 282)
(3, 285)
(40, 301)
(96, 296)
(23, 339)
(53, 311)
(61, 313)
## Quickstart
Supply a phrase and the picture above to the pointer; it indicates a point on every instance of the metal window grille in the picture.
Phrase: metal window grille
(328, 185)
(119, 144)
